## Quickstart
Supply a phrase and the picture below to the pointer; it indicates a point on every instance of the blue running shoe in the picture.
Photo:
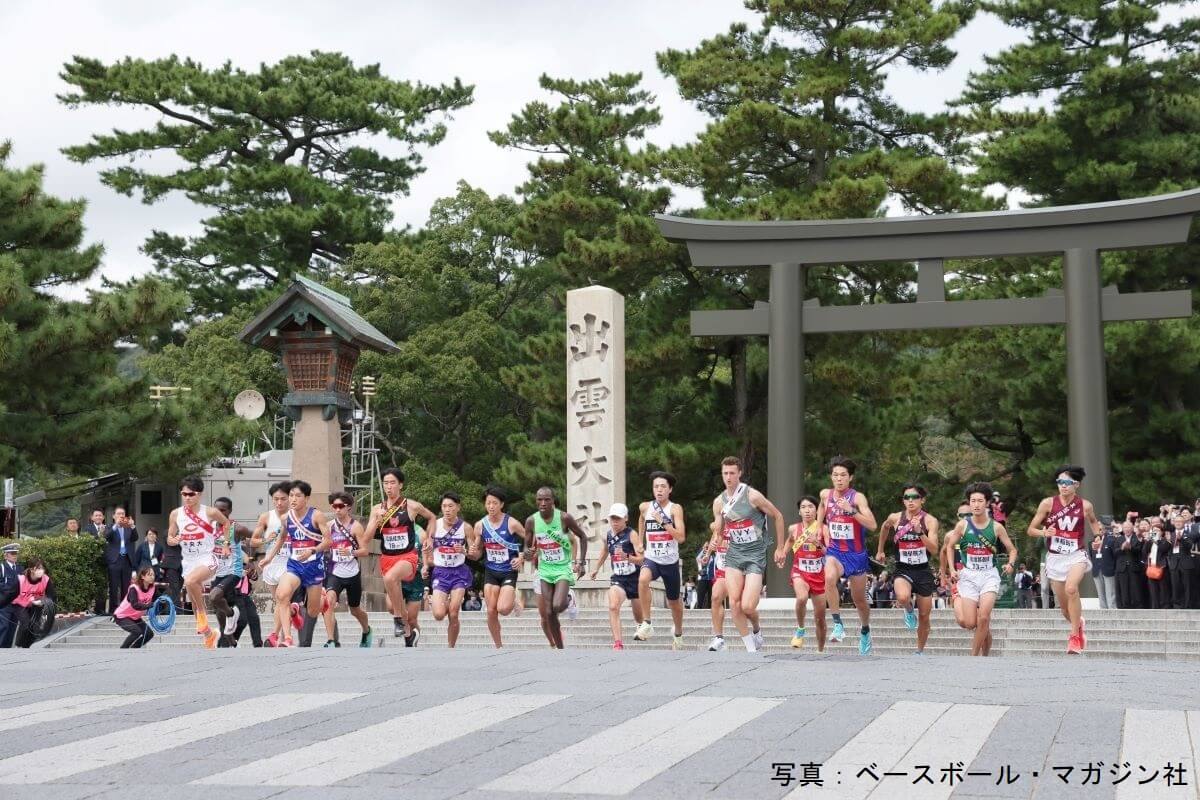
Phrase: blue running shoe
(910, 619)
(864, 644)
(839, 632)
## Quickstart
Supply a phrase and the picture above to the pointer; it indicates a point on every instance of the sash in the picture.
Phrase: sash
(994, 547)
(300, 526)
(727, 503)
(1055, 516)
(204, 524)
(663, 519)
(391, 511)
(496, 537)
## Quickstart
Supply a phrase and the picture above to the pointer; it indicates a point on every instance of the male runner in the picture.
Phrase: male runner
(1060, 520)
(266, 532)
(231, 567)
(848, 517)
(809, 540)
(916, 541)
(348, 543)
(716, 548)
(392, 523)
(447, 549)
(659, 534)
(556, 535)
(743, 512)
(620, 546)
(193, 527)
(503, 545)
(307, 532)
(978, 580)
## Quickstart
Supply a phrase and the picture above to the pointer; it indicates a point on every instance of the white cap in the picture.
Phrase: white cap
(618, 510)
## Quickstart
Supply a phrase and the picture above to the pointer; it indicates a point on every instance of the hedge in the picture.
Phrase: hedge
(73, 563)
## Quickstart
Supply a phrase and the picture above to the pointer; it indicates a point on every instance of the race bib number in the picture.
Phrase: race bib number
(811, 565)
(448, 557)
(979, 558)
(497, 554)
(343, 555)
(621, 565)
(914, 555)
(1063, 545)
(550, 551)
(659, 544)
(742, 531)
(192, 543)
(842, 531)
(397, 540)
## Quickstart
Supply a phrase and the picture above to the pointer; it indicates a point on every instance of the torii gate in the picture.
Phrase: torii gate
(1078, 233)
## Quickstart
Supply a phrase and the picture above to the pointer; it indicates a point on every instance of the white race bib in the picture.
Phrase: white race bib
(979, 558)
(842, 531)
(742, 531)
(811, 565)
(914, 555)
(448, 557)
(621, 565)
(395, 541)
(497, 553)
(343, 555)
(1063, 545)
(550, 551)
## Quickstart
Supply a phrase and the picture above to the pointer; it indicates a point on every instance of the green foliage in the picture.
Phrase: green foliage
(280, 154)
(73, 564)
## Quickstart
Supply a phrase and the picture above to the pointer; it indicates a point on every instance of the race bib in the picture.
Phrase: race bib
(621, 565)
(550, 551)
(811, 565)
(497, 553)
(343, 555)
(192, 543)
(979, 558)
(1063, 545)
(914, 555)
(742, 531)
(659, 544)
(842, 531)
(396, 541)
(448, 557)
(720, 561)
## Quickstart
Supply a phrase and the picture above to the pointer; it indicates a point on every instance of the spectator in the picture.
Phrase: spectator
(35, 604)
(1104, 569)
(704, 578)
(996, 508)
(73, 527)
(96, 528)
(10, 584)
(119, 551)
(130, 615)
(689, 594)
(1024, 583)
(472, 602)
(1158, 575)
(1128, 551)
(172, 571)
(1182, 564)
(149, 554)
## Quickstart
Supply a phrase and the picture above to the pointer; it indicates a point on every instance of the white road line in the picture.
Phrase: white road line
(1150, 739)
(61, 761)
(375, 746)
(58, 710)
(618, 760)
(883, 742)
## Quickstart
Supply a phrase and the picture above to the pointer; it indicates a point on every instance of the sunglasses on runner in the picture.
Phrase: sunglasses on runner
(964, 515)
(911, 496)
(1065, 482)
(337, 505)
(189, 494)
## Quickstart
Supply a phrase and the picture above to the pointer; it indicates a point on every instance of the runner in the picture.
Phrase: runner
(716, 548)
(810, 540)
(503, 544)
(231, 567)
(916, 540)
(447, 550)
(307, 532)
(952, 554)
(555, 534)
(743, 512)
(660, 531)
(848, 517)
(978, 580)
(392, 523)
(1060, 520)
(348, 543)
(193, 527)
(268, 529)
(620, 546)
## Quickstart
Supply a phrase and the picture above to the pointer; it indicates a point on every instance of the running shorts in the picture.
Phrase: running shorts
(351, 586)
(274, 571)
(920, 579)
(1058, 565)
(553, 573)
(387, 562)
(627, 583)
(852, 563)
(815, 580)
(973, 583)
(310, 573)
(414, 591)
(501, 579)
(206, 560)
(669, 573)
(449, 579)
(749, 562)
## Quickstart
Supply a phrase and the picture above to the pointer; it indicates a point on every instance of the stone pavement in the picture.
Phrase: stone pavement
(245, 724)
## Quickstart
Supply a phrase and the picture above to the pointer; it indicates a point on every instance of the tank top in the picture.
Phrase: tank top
(1066, 526)
(447, 543)
(274, 528)
(395, 534)
(144, 597)
(197, 533)
(228, 551)
(845, 534)
(744, 524)
(341, 554)
(552, 543)
(620, 548)
(719, 555)
(910, 549)
(808, 550)
(661, 546)
(979, 546)
(500, 546)
(302, 536)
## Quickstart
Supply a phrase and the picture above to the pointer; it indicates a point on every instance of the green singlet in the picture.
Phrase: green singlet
(554, 549)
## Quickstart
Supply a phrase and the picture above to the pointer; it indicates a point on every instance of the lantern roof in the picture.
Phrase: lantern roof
(306, 298)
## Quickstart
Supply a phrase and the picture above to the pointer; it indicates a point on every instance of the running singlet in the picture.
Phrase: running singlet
(274, 528)
(910, 548)
(620, 548)
(196, 532)
(845, 535)
(809, 550)
(661, 546)
(744, 524)
(341, 554)
(302, 536)
(396, 532)
(552, 544)
(228, 551)
(500, 546)
(449, 544)
(1066, 526)
(979, 546)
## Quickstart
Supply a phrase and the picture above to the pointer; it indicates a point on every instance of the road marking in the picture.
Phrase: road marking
(375, 746)
(114, 747)
(640, 748)
(73, 706)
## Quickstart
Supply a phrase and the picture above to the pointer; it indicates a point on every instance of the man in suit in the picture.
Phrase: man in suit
(1127, 549)
(1104, 569)
(119, 550)
(149, 554)
(1181, 563)
(9, 587)
(96, 528)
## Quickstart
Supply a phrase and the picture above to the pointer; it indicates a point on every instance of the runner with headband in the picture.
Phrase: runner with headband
(503, 544)
(194, 527)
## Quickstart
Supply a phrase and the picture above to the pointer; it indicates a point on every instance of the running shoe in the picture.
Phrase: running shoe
(272, 640)
(411, 639)
(1073, 645)
(798, 639)
(210, 641)
(333, 643)
(644, 632)
(231, 623)
(717, 644)
(297, 617)
(758, 640)
(397, 627)
(618, 645)
(910, 618)
(677, 643)
(368, 638)
(572, 607)
(839, 632)
(864, 644)
(918, 652)
(287, 642)
(1082, 633)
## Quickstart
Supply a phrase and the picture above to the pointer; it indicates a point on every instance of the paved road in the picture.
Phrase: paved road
(478, 724)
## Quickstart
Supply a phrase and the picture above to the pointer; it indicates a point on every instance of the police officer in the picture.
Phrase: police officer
(9, 588)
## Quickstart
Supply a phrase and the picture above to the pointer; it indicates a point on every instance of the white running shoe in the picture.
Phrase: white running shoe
(758, 640)
(572, 606)
(644, 632)
(231, 623)
(717, 644)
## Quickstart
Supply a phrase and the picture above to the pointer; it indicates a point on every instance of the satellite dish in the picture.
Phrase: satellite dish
(249, 404)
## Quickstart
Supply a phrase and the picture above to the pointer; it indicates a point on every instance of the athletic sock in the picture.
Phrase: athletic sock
(866, 629)
(756, 630)
(837, 619)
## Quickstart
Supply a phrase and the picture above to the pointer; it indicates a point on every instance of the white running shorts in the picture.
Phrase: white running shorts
(972, 583)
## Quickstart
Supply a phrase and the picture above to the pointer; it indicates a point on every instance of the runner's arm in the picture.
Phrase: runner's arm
(932, 527)
(529, 539)
(600, 558)
(884, 530)
(863, 510)
(256, 538)
(172, 529)
(678, 524)
(323, 524)
(419, 510)
(948, 549)
(215, 514)
(572, 527)
(1035, 525)
(1002, 535)
(1089, 511)
(517, 529)
(760, 501)
(473, 541)
(639, 533)
(822, 499)
(275, 545)
(360, 536)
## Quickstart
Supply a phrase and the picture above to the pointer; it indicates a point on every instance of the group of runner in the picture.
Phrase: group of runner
(311, 559)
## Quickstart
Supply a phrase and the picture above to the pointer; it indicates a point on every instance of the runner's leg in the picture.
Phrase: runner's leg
(980, 643)
(616, 598)
(1074, 606)
(735, 583)
(924, 607)
(455, 602)
(283, 602)
(491, 596)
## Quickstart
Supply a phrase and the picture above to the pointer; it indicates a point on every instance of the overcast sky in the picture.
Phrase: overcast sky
(500, 46)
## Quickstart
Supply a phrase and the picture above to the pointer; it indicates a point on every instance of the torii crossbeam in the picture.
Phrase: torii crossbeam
(1077, 233)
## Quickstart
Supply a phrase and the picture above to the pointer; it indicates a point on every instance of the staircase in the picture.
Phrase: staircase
(1132, 634)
